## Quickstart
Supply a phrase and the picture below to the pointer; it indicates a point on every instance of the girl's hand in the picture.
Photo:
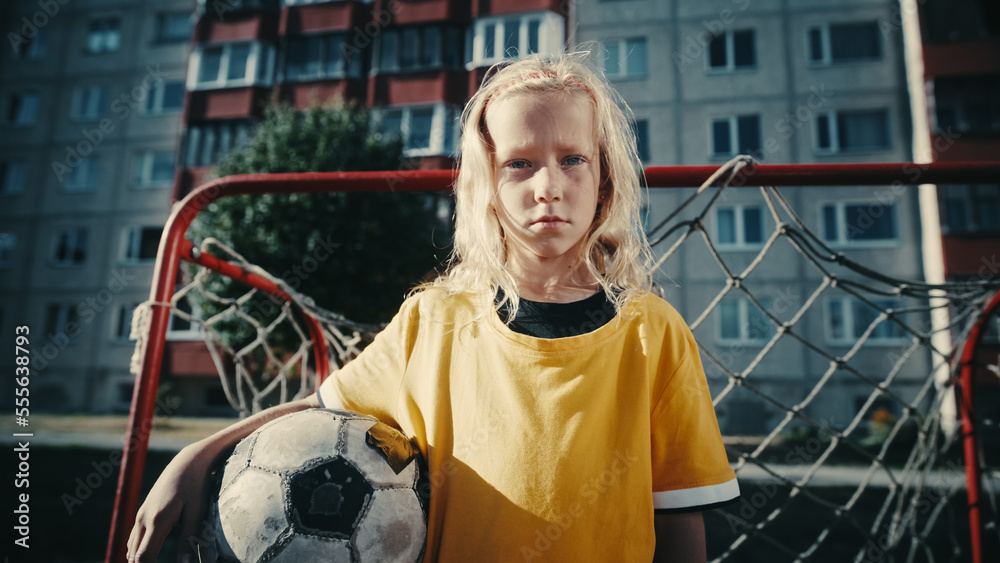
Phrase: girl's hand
(177, 498)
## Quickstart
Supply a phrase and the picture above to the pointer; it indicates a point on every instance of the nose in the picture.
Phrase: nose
(549, 184)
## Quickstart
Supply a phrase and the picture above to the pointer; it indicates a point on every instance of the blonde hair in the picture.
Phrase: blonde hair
(616, 251)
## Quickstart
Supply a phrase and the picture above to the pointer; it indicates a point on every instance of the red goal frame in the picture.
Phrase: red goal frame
(174, 247)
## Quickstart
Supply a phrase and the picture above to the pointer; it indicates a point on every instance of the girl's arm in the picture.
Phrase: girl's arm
(179, 498)
(679, 538)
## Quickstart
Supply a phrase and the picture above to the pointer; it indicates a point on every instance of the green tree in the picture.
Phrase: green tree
(365, 250)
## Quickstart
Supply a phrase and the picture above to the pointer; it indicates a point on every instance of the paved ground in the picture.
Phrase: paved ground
(109, 431)
(842, 475)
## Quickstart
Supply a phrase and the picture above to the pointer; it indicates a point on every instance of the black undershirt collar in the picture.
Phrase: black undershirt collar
(559, 320)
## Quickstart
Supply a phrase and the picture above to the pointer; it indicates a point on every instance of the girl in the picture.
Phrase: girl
(558, 403)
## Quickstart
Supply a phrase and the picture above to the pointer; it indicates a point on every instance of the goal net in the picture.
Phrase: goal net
(835, 381)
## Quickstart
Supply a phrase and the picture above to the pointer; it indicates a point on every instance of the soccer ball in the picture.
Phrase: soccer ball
(322, 485)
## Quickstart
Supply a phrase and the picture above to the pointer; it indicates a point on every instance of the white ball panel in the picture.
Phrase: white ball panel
(393, 529)
(295, 442)
(252, 515)
(238, 461)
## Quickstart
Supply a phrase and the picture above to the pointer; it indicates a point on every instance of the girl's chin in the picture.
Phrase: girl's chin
(546, 253)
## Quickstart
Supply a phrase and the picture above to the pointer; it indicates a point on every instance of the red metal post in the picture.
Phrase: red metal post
(973, 472)
(853, 174)
(144, 391)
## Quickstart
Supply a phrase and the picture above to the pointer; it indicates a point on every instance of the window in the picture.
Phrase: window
(181, 325)
(991, 331)
(736, 135)
(11, 177)
(141, 243)
(22, 109)
(321, 56)
(949, 21)
(154, 169)
(967, 104)
(165, 97)
(513, 36)
(859, 222)
(741, 321)
(29, 48)
(970, 209)
(70, 248)
(231, 65)
(847, 319)
(58, 318)
(123, 321)
(90, 103)
(856, 130)
(207, 143)
(84, 176)
(425, 131)
(124, 396)
(301, 2)
(732, 50)
(104, 36)
(420, 47)
(739, 226)
(844, 43)
(626, 58)
(7, 243)
(641, 130)
(216, 397)
(173, 27)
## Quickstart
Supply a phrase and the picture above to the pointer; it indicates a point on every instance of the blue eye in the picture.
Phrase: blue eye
(574, 160)
(518, 164)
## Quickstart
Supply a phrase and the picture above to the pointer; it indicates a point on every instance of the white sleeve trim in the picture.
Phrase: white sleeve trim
(697, 496)
(328, 398)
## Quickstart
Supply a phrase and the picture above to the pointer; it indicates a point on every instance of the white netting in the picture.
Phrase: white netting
(870, 487)
(258, 341)
(883, 482)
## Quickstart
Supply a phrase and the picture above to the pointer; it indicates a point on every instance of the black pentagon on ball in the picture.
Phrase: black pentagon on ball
(328, 499)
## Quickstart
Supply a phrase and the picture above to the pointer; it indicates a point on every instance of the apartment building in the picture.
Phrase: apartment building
(961, 57)
(789, 81)
(91, 94)
(115, 109)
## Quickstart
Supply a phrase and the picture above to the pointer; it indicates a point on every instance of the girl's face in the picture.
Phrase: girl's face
(548, 173)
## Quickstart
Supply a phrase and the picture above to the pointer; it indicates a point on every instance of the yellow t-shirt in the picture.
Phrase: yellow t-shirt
(544, 449)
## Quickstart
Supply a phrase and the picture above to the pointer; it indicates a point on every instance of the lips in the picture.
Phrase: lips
(550, 222)
(551, 219)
